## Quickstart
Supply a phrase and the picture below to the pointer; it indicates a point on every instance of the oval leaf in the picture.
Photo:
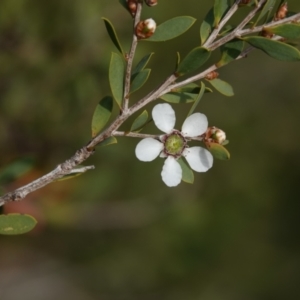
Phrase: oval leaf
(275, 49)
(113, 35)
(187, 173)
(222, 87)
(142, 64)
(230, 51)
(139, 80)
(101, 115)
(290, 31)
(220, 7)
(193, 88)
(179, 97)
(266, 9)
(195, 59)
(140, 121)
(171, 29)
(207, 26)
(13, 224)
(116, 77)
(190, 88)
(218, 151)
(108, 141)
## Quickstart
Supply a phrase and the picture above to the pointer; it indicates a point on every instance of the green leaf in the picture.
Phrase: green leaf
(113, 35)
(102, 114)
(199, 96)
(171, 29)
(230, 51)
(190, 88)
(139, 80)
(207, 26)
(290, 31)
(220, 7)
(194, 60)
(179, 97)
(108, 141)
(140, 121)
(193, 88)
(222, 87)
(13, 224)
(218, 151)
(16, 169)
(187, 173)
(275, 49)
(266, 9)
(116, 77)
(142, 64)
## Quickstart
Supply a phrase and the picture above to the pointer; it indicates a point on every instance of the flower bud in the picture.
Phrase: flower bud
(267, 34)
(244, 2)
(151, 2)
(212, 75)
(281, 13)
(144, 29)
(132, 6)
(216, 135)
(219, 136)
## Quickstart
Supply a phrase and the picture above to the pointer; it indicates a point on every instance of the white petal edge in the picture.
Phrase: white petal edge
(171, 173)
(164, 117)
(148, 149)
(199, 159)
(194, 125)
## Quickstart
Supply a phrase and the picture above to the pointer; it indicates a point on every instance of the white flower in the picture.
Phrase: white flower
(173, 144)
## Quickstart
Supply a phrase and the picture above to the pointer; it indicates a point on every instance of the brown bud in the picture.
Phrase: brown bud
(281, 13)
(244, 2)
(132, 6)
(267, 34)
(151, 2)
(212, 75)
(144, 29)
(214, 135)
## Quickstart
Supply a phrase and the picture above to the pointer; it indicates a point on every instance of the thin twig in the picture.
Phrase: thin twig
(69, 166)
(130, 58)
(224, 20)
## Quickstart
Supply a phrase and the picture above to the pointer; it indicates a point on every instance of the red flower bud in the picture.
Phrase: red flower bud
(144, 29)
(151, 2)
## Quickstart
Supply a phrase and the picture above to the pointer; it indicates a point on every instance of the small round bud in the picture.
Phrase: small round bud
(219, 136)
(132, 6)
(267, 34)
(212, 75)
(244, 2)
(281, 13)
(215, 135)
(144, 29)
(151, 2)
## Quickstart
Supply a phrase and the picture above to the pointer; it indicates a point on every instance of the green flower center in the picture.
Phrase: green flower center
(174, 144)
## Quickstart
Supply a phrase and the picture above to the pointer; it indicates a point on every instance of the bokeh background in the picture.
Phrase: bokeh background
(118, 232)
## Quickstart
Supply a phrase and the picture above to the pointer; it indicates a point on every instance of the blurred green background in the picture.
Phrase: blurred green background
(118, 232)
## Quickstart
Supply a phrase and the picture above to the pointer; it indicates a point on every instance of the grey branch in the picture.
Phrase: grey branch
(69, 166)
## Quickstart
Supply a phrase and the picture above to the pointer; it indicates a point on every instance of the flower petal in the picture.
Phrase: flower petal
(148, 149)
(194, 125)
(199, 159)
(171, 173)
(164, 117)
